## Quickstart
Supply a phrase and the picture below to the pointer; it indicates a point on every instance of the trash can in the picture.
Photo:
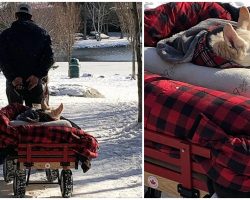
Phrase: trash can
(74, 67)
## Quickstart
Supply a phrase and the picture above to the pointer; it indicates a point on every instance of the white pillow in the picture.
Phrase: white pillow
(233, 80)
(51, 123)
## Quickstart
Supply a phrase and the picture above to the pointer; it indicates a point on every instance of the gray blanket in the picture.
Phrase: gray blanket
(180, 47)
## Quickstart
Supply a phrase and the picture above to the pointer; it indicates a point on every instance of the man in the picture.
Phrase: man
(25, 58)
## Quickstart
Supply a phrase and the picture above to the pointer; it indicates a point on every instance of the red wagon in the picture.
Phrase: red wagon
(50, 157)
(49, 148)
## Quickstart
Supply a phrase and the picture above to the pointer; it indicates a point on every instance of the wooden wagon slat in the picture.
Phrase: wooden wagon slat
(175, 143)
(45, 153)
(45, 159)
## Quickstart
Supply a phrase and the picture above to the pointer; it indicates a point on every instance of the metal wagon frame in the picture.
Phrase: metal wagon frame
(50, 157)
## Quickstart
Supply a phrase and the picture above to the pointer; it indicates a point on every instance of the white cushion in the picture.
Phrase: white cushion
(51, 123)
(233, 80)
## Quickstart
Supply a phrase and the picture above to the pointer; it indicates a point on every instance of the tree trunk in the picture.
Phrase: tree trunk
(85, 21)
(98, 38)
(133, 58)
(139, 59)
(121, 36)
(107, 29)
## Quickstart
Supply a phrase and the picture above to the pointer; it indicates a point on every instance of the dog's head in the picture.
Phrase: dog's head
(53, 113)
(234, 44)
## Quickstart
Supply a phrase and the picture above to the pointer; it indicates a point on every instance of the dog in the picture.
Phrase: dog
(55, 114)
(41, 113)
(234, 45)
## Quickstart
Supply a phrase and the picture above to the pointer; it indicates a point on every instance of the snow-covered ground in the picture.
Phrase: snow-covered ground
(117, 172)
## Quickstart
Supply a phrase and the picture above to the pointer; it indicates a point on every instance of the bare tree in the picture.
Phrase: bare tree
(85, 20)
(137, 36)
(125, 16)
(7, 14)
(45, 15)
(129, 14)
(61, 20)
(68, 22)
(110, 18)
(98, 11)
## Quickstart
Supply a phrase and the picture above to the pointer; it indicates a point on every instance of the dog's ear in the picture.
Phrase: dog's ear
(44, 105)
(231, 37)
(244, 18)
(55, 114)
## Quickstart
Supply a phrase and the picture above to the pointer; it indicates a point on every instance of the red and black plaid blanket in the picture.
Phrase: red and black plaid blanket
(210, 118)
(86, 145)
(170, 18)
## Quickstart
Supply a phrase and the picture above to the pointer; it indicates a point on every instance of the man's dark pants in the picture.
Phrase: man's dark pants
(35, 95)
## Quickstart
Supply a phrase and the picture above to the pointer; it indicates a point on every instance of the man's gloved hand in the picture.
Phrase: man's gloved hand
(18, 81)
(32, 82)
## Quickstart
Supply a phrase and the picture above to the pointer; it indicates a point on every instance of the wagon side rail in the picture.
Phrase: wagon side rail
(185, 169)
(46, 153)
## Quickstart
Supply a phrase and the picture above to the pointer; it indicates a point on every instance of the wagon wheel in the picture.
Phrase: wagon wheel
(19, 184)
(152, 193)
(52, 174)
(8, 170)
(66, 183)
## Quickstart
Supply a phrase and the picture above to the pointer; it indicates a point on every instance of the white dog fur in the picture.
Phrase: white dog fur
(233, 44)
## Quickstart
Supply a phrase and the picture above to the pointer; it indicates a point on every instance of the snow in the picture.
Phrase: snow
(117, 172)
(239, 4)
(75, 90)
(113, 41)
(152, 5)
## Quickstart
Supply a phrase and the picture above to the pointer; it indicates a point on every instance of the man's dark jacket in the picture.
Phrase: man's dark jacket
(25, 49)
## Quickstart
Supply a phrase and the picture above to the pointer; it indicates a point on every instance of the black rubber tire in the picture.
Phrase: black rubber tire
(66, 183)
(8, 170)
(52, 174)
(19, 183)
(152, 193)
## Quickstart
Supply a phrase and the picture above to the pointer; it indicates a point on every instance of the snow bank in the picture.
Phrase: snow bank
(113, 41)
(105, 43)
